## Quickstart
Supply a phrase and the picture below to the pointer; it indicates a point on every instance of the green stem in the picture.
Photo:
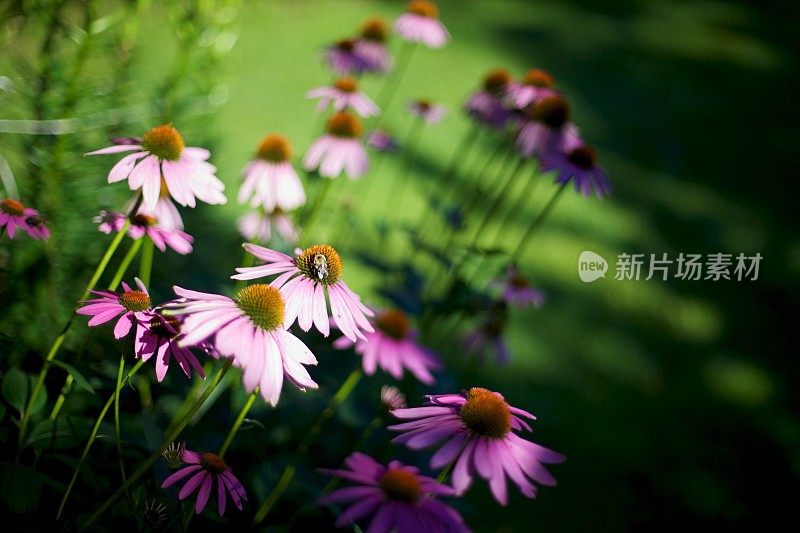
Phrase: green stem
(313, 215)
(146, 262)
(116, 425)
(91, 440)
(498, 201)
(518, 205)
(124, 264)
(62, 397)
(392, 83)
(238, 422)
(515, 255)
(59, 340)
(170, 437)
(288, 473)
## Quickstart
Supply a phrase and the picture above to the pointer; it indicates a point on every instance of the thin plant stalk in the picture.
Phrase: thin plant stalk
(146, 261)
(498, 201)
(515, 255)
(116, 426)
(518, 204)
(238, 422)
(124, 264)
(316, 209)
(392, 82)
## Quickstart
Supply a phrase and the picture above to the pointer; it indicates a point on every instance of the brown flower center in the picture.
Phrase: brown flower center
(143, 220)
(34, 221)
(344, 125)
(263, 304)
(394, 323)
(496, 81)
(374, 30)
(213, 463)
(346, 45)
(424, 105)
(518, 280)
(135, 301)
(423, 8)
(320, 263)
(274, 148)
(12, 207)
(400, 484)
(346, 85)
(160, 325)
(551, 110)
(164, 142)
(583, 157)
(486, 413)
(538, 78)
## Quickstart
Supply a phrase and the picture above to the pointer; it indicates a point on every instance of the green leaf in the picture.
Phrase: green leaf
(61, 433)
(80, 381)
(41, 398)
(15, 388)
(21, 487)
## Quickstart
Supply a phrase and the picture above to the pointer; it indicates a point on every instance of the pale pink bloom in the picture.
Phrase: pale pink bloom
(339, 149)
(419, 24)
(304, 281)
(547, 128)
(14, 215)
(371, 46)
(392, 398)
(257, 226)
(578, 163)
(160, 336)
(429, 112)
(516, 290)
(381, 141)
(270, 180)
(205, 469)
(477, 428)
(344, 94)
(536, 84)
(250, 329)
(133, 304)
(142, 225)
(393, 346)
(161, 158)
(486, 105)
(343, 59)
(165, 212)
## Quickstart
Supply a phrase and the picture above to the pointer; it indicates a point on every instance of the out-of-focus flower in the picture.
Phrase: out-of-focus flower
(517, 291)
(392, 398)
(270, 180)
(160, 337)
(339, 149)
(478, 428)
(249, 328)
(258, 225)
(342, 94)
(420, 24)
(393, 347)
(381, 141)
(155, 515)
(488, 335)
(428, 111)
(371, 45)
(396, 496)
(161, 157)
(547, 128)
(304, 280)
(144, 224)
(343, 59)
(173, 455)
(14, 215)
(486, 105)
(535, 84)
(133, 305)
(578, 162)
(203, 471)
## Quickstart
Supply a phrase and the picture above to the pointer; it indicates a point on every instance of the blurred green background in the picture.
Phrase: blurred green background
(676, 402)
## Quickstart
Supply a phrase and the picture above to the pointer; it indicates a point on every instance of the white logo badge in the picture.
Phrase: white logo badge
(591, 266)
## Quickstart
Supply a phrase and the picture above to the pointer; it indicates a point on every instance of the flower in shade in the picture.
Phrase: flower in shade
(258, 226)
(14, 215)
(343, 59)
(535, 84)
(203, 471)
(339, 149)
(429, 112)
(133, 304)
(381, 141)
(160, 157)
(478, 427)
(154, 515)
(546, 128)
(160, 336)
(393, 347)
(392, 398)
(270, 179)
(486, 105)
(249, 328)
(488, 335)
(342, 94)
(578, 162)
(420, 24)
(371, 45)
(396, 497)
(517, 291)
(173, 455)
(144, 224)
(304, 281)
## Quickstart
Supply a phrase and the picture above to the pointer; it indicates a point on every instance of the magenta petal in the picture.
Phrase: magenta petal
(192, 484)
(179, 475)
(205, 492)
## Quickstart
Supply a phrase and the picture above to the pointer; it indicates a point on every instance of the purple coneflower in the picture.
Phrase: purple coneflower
(578, 163)
(205, 469)
(393, 347)
(371, 45)
(160, 336)
(547, 128)
(381, 141)
(14, 215)
(249, 328)
(488, 336)
(133, 305)
(396, 496)
(304, 280)
(486, 105)
(258, 225)
(343, 59)
(342, 94)
(392, 398)
(431, 113)
(146, 224)
(161, 157)
(270, 178)
(339, 149)
(535, 84)
(420, 24)
(478, 427)
(517, 291)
